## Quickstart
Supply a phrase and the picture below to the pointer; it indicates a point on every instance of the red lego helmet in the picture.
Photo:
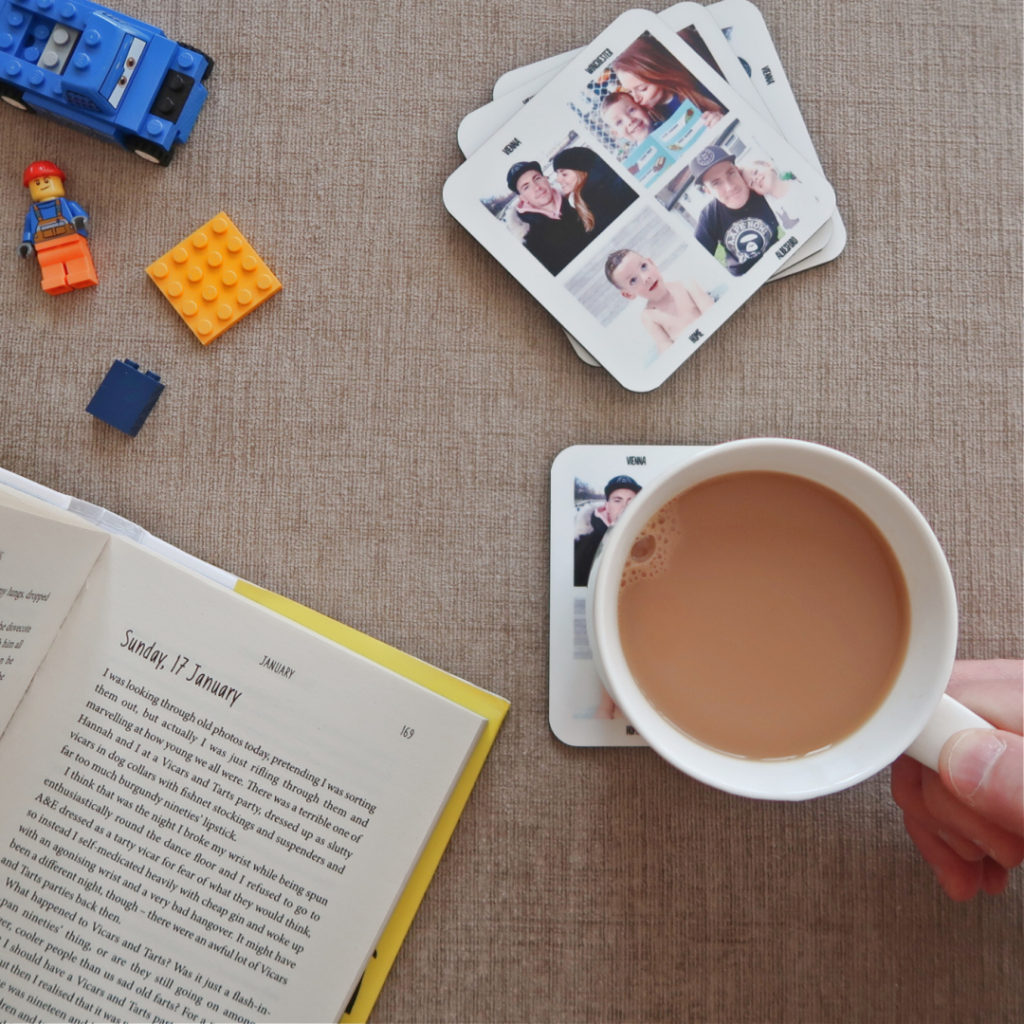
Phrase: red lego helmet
(41, 169)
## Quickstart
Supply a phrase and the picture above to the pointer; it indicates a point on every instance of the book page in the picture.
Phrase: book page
(492, 707)
(43, 564)
(211, 810)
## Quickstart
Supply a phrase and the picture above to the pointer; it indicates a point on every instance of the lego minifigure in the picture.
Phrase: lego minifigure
(55, 228)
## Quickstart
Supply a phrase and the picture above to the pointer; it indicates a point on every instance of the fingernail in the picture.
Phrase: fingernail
(971, 758)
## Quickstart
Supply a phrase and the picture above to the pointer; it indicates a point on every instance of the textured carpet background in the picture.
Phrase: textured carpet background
(375, 442)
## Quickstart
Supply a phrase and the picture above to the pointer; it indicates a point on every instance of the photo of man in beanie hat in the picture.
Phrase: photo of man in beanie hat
(594, 519)
(736, 219)
(554, 231)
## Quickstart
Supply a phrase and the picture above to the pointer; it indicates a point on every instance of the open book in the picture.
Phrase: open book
(209, 811)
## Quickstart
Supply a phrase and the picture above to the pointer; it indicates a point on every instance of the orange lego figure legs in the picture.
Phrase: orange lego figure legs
(54, 280)
(66, 264)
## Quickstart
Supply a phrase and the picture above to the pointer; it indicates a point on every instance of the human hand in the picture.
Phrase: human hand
(711, 118)
(968, 820)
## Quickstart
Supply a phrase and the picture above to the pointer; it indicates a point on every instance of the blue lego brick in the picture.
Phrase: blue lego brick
(105, 73)
(126, 396)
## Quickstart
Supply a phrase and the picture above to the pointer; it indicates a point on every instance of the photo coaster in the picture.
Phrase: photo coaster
(590, 486)
(676, 239)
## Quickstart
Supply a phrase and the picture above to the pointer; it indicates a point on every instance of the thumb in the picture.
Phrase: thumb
(985, 769)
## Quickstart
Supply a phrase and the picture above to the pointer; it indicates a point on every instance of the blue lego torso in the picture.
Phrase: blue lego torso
(51, 218)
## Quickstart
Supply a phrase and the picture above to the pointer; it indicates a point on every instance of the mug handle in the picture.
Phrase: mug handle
(949, 716)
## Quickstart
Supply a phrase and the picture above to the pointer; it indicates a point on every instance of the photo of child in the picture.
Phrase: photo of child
(763, 178)
(650, 283)
(627, 119)
(671, 307)
(651, 148)
(648, 108)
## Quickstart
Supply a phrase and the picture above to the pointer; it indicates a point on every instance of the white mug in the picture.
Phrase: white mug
(916, 717)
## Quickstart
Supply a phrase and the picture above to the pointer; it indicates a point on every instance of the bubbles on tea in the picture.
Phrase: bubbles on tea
(649, 555)
(643, 548)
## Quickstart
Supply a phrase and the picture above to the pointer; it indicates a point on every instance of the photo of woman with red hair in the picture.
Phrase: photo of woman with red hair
(656, 80)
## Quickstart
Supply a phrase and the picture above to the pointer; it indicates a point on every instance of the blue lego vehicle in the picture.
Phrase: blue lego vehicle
(102, 72)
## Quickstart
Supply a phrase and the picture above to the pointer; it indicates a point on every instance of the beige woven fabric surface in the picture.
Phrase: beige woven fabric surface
(376, 440)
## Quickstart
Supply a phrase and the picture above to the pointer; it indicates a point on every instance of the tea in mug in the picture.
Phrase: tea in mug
(763, 614)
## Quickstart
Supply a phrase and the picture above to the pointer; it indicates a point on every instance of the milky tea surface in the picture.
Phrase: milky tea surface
(763, 614)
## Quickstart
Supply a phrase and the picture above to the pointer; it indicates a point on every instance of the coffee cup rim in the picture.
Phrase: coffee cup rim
(931, 645)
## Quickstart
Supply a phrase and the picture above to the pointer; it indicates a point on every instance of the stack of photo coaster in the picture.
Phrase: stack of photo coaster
(645, 186)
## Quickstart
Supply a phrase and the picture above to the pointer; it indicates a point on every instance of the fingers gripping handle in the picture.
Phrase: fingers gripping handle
(948, 718)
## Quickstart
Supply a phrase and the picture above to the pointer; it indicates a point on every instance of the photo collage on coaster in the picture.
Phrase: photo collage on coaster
(644, 187)
(591, 486)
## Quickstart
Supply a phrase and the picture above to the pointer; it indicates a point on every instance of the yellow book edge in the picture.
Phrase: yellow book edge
(487, 705)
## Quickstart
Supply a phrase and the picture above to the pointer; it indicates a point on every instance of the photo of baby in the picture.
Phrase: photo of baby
(671, 307)
(650, 282)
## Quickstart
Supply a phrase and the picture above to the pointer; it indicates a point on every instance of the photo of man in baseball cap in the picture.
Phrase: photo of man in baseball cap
(737, 226)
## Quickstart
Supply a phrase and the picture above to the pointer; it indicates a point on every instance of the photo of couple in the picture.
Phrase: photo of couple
(556, 217)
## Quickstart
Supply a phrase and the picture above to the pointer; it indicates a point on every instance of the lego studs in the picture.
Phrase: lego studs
(213, 278)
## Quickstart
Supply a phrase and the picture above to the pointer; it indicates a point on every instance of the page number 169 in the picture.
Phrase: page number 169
(408, 732)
